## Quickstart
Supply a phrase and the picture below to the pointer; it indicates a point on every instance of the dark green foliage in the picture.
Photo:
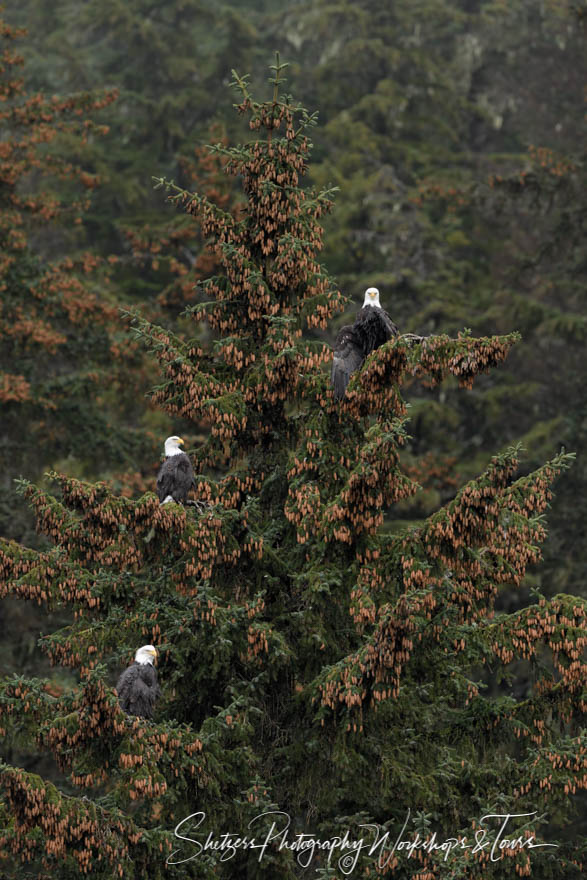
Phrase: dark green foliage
(455, 132)
(168, 62)
(316, 658)
(65, 365)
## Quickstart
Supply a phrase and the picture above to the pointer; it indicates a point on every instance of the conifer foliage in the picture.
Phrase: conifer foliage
(59, 349)
(312, 660)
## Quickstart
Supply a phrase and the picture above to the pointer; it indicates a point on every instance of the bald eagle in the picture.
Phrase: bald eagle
(372, 328)
(176, 476)
(137, 687)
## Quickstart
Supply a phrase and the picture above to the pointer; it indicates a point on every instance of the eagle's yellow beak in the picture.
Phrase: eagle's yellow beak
(181, 441)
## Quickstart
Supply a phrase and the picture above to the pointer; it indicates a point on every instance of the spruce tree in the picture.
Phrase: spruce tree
(313, 660)
(66, 366)
(463, 162)
(61, 345)
(169, 62)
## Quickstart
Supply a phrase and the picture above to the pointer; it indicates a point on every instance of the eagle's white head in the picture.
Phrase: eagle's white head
(146, 654)
(372, 297)
(172, 445)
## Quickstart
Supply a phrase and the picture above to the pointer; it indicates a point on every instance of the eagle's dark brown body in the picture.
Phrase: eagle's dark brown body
(372, 328)
(175, 479)
(138, 690)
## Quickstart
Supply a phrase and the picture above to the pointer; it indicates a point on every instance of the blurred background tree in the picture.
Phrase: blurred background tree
(69, 375)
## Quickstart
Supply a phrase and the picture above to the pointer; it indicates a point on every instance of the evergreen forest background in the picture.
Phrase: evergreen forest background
(450, 137)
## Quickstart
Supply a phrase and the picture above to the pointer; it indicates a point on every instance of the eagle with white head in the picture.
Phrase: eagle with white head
(176, 476)
(137, 686)
(372, 328)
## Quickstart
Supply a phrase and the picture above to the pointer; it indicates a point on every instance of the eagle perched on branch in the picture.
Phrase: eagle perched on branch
(372, 328)
(137, 686)
(176, 476)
